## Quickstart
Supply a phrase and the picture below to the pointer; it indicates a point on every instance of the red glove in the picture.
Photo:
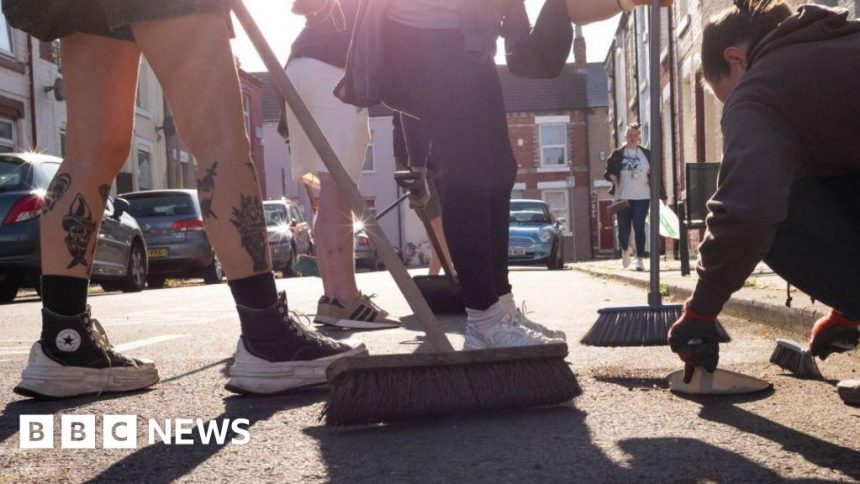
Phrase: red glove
(695, 339)
(833, 334)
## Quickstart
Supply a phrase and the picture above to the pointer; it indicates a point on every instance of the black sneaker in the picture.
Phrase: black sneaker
(74, 357)
(277, 352)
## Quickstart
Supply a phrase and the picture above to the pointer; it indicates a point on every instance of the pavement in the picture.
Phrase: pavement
(625, 427)
(764, 297)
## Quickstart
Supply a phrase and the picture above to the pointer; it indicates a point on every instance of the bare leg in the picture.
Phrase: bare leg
(202, 85)
(100, 82)
(334, 242)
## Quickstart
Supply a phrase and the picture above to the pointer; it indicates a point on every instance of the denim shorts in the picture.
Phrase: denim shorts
(48, 20)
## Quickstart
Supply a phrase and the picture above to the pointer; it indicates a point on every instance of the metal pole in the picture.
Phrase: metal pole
(654, 296)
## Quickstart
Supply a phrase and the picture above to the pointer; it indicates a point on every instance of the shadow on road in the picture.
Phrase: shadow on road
(160, 463)
(543, 445)
(815, 450)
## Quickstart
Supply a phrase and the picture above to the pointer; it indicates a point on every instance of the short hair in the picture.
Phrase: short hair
(747, 21)
(635, 126)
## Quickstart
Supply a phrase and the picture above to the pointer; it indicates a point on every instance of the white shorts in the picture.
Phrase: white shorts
(345, 126)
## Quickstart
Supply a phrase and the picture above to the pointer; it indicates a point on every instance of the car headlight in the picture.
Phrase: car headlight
(546, 234)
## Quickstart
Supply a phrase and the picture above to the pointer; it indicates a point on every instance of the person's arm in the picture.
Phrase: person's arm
(587, 11)
(761, 159)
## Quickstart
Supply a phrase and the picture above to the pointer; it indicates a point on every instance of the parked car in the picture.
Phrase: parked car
(366, 255)
(290, 235)
(535, 235)
(120, 261)
(178, 246)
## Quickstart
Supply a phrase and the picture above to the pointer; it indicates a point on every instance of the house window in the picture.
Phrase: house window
(371, 204)
(553, 144)
(558, 206)
(368, 156)
(5, 36)
(517, 194)
(246, 112)
(7, 135)
(139, 101)
(144, 169)
(62, 143)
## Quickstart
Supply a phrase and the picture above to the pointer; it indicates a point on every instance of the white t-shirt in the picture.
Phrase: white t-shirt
(633, 184)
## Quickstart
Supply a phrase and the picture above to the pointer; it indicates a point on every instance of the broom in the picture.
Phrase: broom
(645, 325)
(405, 387)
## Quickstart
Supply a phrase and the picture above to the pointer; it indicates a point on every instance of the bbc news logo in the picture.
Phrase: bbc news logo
(121, 431)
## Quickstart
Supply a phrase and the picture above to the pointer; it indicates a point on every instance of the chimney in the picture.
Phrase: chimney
(579, 51)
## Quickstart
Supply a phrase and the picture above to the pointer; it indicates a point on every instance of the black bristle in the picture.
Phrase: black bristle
(389, 395)
(638, 326)
(791, 356)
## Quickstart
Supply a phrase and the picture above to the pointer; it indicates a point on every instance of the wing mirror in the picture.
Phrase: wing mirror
(120, 206)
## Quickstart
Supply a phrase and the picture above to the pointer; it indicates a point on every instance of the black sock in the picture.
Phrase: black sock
(256, 292)
(66, 296)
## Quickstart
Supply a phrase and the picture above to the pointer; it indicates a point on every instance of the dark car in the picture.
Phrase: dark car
(120, 261)
(176, 238)
(290, 235)
(535, 235)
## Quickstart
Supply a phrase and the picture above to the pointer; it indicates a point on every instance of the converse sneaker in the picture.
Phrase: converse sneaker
(363, 313)
(277, 352)
(502, 334)
(520, 318)
(625, 258)
(74, 357)
(640, 266)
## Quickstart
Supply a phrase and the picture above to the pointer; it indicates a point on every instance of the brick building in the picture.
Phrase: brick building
(558, 132)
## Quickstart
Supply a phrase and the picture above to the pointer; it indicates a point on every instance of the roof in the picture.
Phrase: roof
(569, 91)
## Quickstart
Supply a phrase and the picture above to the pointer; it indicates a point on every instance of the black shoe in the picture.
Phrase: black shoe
(277, 352)
(74, 357)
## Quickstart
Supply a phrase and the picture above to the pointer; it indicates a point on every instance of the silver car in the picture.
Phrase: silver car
(178, 246)
(290, 235)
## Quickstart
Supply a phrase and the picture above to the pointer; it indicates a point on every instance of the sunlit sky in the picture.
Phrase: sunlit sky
(281, 27)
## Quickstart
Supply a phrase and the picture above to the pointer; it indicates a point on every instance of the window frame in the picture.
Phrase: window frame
(144, 148)
(9, 143)
(541, 146)
(567, 222)
(6, 29)
(369, 154)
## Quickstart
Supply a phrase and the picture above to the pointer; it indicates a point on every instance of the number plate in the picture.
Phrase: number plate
(517, 252)
(157, 252)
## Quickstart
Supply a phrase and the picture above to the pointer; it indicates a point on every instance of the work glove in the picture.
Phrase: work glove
(834, 334)
(415, 181)
(695, 339)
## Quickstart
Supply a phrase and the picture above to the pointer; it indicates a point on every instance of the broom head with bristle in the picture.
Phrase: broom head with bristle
(792, 356)
(398, 388)
(638, 326)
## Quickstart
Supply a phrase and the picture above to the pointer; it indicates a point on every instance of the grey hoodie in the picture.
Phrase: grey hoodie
(795, 114)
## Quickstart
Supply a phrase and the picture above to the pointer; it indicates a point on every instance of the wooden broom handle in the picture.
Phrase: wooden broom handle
(435, 334)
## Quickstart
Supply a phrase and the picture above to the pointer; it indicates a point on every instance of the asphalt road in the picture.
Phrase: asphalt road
(625, 427)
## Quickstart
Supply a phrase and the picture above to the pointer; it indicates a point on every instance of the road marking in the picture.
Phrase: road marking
(133, 345)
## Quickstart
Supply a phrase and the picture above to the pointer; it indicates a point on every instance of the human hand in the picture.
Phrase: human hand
(696, 341)
(833, 334)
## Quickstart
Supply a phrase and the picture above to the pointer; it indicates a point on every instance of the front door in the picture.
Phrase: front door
(607, 228)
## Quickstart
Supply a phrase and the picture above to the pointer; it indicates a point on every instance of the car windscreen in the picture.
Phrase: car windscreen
(14, 176)
(276, 214)
(161, 205)
(525, 212)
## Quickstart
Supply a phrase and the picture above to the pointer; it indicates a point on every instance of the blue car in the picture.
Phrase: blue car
(535, 235)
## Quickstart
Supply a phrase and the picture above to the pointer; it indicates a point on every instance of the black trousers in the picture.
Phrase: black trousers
(458, 100)
(817, 247)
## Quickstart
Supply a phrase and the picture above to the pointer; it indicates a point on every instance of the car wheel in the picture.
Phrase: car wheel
(8, 291)
(556, 259)
(155, 282)
(214, 273)
(135, 279)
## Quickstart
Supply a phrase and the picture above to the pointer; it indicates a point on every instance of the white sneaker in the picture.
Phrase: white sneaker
(521, 319)
(625, 258)
(640, 266)
(255, 375)
(503, 334)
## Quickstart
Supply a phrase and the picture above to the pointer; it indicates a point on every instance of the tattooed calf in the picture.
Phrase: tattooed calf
(104, 192)
(206, 191)
(56, 189)
(248, 218)
(79, 227)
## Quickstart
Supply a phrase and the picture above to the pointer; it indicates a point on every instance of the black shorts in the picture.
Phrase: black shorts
(49, 20)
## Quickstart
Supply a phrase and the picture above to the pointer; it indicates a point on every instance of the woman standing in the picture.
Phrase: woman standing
(628, 169)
